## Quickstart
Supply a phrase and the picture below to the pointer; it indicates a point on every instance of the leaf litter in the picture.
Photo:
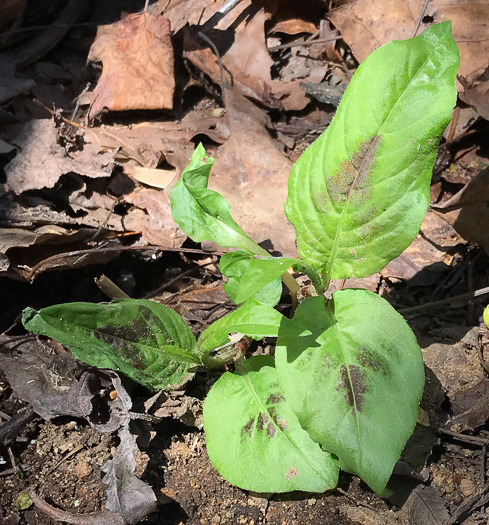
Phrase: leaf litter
(256, 89)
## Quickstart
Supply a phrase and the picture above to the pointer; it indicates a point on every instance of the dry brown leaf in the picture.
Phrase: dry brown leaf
(137, 57)
(38, 243)
(422, 262)
(247, 66)
(149, 143)
(294, 26)
(196, 12)
(42, 160)
(367, 24)
(151, 216)
(153, 177)
(476, 93)
(20, 238)
(468, 212)
(252, 175)
(451, 354)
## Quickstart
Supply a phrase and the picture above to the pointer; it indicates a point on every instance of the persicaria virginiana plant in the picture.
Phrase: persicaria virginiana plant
(343, 387)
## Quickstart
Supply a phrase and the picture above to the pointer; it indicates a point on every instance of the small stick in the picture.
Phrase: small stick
(428, 306)
(53, 113)
(109, 288)
(473, 440)
(94, 518)
(451, 133)
(62, 460)
(420, 17)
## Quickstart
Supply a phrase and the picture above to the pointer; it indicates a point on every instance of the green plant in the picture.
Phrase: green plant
(343, 388)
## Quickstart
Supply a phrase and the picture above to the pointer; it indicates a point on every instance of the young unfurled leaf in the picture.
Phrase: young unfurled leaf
(203, 214)
(355, 382)
(247, 276)
(254, 439)
(253, 319)
(147, 341)
(358, 195)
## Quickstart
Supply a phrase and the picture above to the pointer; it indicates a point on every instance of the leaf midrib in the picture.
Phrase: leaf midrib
(149, 348)
(282, 432)
(334, 248)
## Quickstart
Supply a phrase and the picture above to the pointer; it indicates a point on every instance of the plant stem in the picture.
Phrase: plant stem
(293, 287)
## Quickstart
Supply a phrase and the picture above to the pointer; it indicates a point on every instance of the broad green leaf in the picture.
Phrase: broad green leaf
(147, 341)
(248, 276)
(254, 439)
(271, 293)
(203, 214)
(253, 319)
(357, 196)
(356, 382)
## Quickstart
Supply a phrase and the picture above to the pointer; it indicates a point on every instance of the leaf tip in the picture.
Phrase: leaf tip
(28, 315)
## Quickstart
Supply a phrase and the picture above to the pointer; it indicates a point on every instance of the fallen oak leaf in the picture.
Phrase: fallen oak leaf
(127, 495)
(42, 160)
(138, 66)
(476, 93)
(365, 27)
(151, 216)
(467, 211)
(252, 175)
(247, 66)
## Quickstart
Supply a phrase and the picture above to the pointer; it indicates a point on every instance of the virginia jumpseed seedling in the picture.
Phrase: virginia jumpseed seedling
(343, 387)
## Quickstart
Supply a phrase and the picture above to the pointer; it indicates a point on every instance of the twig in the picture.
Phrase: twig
(38, 268)
(99, 230)
(164, 286)
(473, 440)
(428, 306)
(78, 101)
(109, 288)
(62, 460)
(451, 133)
(213, 46)
(420, 17)
(94, 518)
(53, 113)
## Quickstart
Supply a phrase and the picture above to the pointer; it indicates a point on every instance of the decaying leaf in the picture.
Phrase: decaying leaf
(426, 258)
(365, 27)
(248, 170)
(247, 66)
(49, 384)
(476, 93)
(154, 177)
(452, 357)
(151, 216)
(176, 404)
(423, 504)
(10, 84)
(127, 495)
(42, 160)
(150, 143)
(197, 12)
(137, 57)
(468, 212)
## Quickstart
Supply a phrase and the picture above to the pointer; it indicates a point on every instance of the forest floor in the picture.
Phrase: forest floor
(90, 147)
